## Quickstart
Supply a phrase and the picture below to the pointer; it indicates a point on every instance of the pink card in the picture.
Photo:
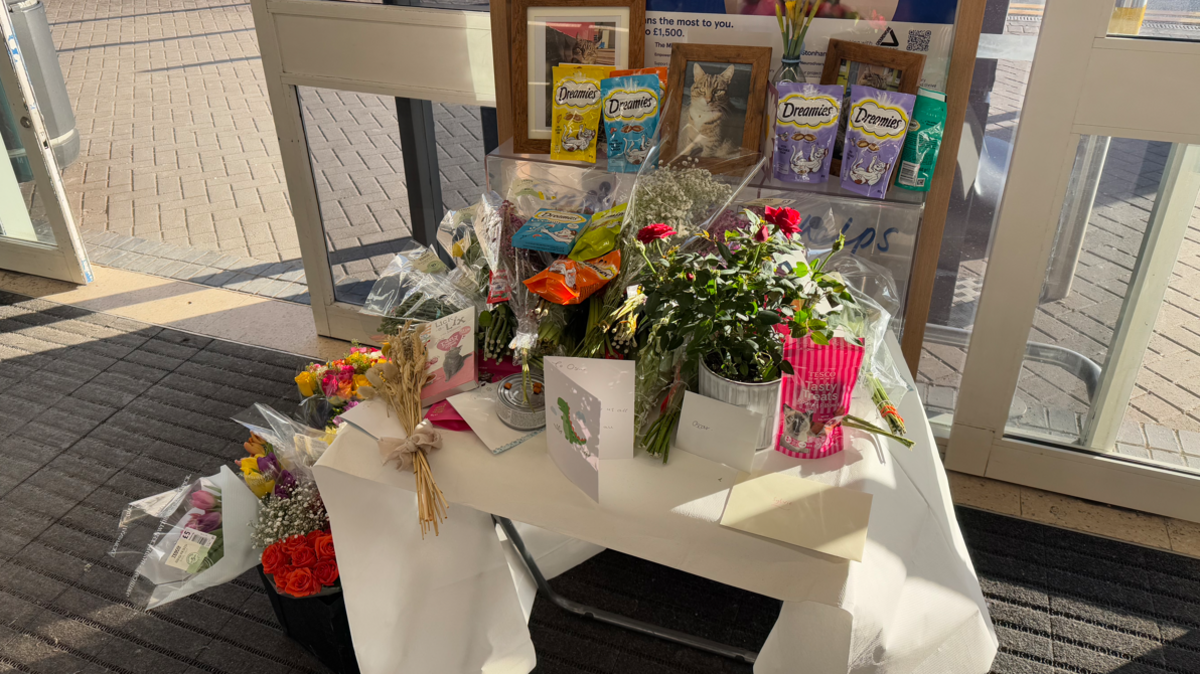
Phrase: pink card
(450, 346)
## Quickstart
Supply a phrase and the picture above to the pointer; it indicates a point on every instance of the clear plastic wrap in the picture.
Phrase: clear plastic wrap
(296, 446)
(416, 285)
(185, 540)
(456, 236)
(870, 318)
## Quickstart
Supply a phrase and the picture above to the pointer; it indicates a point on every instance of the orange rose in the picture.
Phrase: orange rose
(301, 583)
(273, 558)
(281, 578)
(303, 558)
(324, 547)
(326, 572)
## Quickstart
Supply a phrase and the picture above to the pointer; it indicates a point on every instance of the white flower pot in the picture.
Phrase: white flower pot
(762, 398)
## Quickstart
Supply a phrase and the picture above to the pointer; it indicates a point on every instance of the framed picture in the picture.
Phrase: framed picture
(716, 95)
(848, 63)
(547, 33)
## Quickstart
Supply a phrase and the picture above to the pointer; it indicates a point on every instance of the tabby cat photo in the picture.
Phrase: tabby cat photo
(714, 109)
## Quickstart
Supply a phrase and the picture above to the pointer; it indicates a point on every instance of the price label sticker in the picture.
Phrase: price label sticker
(191, 550)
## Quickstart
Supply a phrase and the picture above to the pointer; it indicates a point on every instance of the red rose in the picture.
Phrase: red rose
(273, 558)
(324, 547)
(762, 234)
(302, 583)
(655, 232)
(326, 572)
(281, 577)
(304, 558)
(313, 536)
(294, 543)
(787, 220)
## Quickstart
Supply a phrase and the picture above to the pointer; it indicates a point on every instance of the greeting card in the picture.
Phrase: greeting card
(718, 431)
(450, 345)
(589, 417)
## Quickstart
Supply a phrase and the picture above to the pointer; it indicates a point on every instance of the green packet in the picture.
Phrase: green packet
(600, 238)
(920, 153)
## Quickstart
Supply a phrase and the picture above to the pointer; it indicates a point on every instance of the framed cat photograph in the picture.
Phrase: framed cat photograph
(848, 63)
(547, 33)
(716, 96)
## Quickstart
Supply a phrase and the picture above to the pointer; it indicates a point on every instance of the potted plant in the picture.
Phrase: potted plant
(731, 296)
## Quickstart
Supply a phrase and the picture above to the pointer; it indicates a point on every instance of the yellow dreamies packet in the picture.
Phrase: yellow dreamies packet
(576, 112)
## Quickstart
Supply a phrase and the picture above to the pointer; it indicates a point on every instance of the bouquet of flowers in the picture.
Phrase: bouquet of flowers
(293, 531)
(181, 541)
(329, 389)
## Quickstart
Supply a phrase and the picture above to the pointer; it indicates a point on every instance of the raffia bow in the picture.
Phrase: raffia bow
(425, 438)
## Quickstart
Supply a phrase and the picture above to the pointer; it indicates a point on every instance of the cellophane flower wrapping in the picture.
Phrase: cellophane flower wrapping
(817, 395)
(295, 446)
(187, 539)
(870, 318)
(416, 285)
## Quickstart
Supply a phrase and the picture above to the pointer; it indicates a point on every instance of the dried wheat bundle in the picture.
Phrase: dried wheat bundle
(399, 382)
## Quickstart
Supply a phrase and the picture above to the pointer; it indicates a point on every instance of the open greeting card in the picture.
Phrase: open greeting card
(589, 417)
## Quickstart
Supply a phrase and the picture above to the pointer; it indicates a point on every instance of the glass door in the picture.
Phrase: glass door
(37, 232)
(1083, 369)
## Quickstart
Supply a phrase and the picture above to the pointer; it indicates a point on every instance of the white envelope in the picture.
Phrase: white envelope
(803, 512)
(478, 409)
(718, 431)
(589, 417)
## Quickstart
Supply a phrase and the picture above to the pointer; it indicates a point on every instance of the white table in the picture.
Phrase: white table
(453, 604)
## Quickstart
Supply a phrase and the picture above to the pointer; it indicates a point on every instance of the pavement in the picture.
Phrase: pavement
(179, 149)
(180, 176)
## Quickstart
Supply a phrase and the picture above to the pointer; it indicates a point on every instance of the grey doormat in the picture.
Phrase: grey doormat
(96, 411)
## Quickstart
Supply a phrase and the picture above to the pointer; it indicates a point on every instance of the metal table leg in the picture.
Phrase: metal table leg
(612, 618)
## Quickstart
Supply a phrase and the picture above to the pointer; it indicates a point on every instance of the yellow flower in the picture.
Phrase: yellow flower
(360, 380)
(260, 485)
(307, 382)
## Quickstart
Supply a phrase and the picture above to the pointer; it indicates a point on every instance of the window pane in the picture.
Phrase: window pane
(1128, 241)
(997, 94)
(1161, 19)
(358, 165)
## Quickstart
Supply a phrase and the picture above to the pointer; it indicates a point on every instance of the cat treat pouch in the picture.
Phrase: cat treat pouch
(576, 112)
(568, 281)
(550, 231)
(924, 138)
(806, 124)
(816, 396)
(600, 237)
(630, 105)
(875, 128)
(660, 71)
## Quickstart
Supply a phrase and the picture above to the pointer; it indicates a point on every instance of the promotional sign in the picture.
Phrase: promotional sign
(924, 26)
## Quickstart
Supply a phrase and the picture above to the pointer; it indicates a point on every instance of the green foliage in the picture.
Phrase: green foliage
(723, 303)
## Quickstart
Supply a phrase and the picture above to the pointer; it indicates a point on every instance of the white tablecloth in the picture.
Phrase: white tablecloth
(459, 602)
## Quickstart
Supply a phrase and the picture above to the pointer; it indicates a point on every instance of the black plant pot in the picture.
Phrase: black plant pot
(317, 623)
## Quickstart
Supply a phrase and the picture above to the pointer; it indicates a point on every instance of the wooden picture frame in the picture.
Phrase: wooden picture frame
(684, 59)
(521, 101)
(903, 73)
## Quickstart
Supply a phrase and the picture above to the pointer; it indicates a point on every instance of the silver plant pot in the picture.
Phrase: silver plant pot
(762, 398)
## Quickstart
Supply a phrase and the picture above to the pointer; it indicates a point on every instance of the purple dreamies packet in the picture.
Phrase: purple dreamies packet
(875, 130)
(806, 124)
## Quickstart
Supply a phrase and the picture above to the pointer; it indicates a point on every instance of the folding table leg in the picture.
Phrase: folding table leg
(612, 618)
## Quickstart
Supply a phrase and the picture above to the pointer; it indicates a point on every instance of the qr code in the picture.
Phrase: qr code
(918, 40)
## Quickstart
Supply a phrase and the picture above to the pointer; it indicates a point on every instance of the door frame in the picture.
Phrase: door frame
(1077, 69)
(65, 259)
(358, 47)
